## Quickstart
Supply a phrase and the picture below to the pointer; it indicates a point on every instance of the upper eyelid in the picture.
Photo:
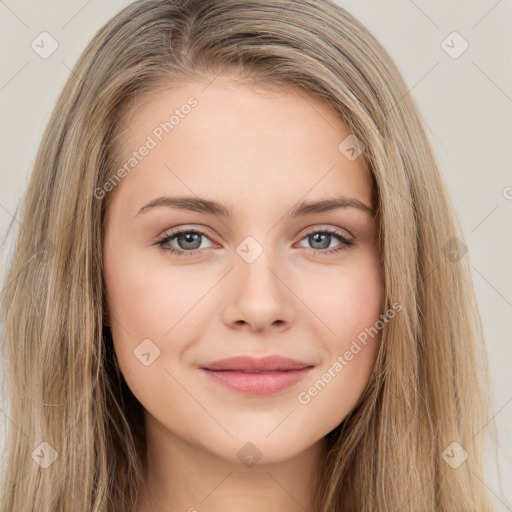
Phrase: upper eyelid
(330, 229)
(173, 232)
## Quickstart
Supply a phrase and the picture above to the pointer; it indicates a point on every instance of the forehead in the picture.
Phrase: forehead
(240, 143)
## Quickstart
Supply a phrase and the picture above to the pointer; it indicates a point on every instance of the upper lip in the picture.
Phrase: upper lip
(253, 364)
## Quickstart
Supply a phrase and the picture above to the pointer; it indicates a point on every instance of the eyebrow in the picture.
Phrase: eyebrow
(209, 207)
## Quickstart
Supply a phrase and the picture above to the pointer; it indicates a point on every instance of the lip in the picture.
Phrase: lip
(256, 376)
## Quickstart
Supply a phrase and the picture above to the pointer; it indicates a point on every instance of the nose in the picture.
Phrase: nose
(259, 298)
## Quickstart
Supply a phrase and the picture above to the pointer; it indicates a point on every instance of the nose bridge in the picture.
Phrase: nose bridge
(256, 266)
(260, 296)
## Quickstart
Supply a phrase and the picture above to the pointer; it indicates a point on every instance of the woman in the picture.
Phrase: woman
(260, 369)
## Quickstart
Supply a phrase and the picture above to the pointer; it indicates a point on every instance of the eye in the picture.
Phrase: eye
(321, 240)
(188, 241)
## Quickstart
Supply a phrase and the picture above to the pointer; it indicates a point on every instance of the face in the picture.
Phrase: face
(212, 250)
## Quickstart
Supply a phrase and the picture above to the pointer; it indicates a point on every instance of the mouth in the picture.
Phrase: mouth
(256, 376)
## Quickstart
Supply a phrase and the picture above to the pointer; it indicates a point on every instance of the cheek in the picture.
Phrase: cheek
(351, 308)
(350, 305)
(148, 297)
(148, 307)
(350, 301)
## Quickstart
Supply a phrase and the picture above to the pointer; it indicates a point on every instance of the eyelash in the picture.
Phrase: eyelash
(162, 242)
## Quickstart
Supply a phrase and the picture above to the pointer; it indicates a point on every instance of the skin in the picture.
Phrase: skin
(259, 153)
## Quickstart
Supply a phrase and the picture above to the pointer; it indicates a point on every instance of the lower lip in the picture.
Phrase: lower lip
(257, 384)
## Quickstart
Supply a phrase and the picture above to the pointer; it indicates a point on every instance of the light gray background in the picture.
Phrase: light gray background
(466, 104)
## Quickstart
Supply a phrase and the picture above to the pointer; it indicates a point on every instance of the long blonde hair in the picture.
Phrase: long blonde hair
(429, 387)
